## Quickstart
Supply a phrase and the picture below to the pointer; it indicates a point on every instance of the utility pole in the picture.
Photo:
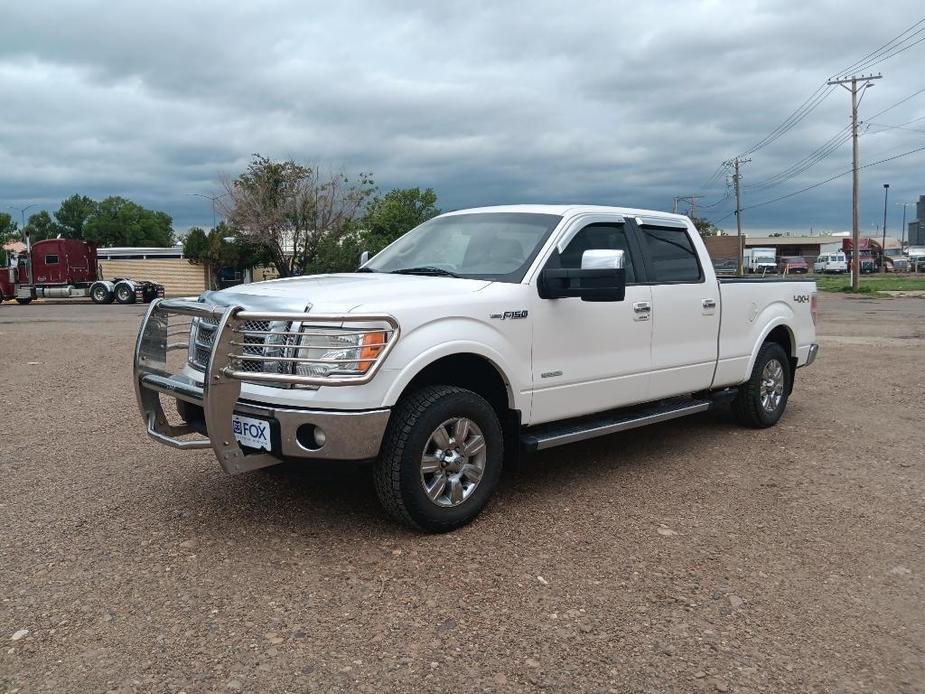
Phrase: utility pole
(886, 193)
(736, 179)
(690, 199)
(859, 84)
(902, 238)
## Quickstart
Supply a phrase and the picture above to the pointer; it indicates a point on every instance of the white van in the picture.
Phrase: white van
(831, 262)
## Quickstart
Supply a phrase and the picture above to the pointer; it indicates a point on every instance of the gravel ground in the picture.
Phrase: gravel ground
(691, 556)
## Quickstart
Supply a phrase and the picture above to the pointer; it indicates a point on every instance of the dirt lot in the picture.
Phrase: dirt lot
(693, 556)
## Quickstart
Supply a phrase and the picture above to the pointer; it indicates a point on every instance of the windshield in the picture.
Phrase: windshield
(496, 246)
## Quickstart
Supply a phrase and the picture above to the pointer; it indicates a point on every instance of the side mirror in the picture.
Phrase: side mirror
(364, 258)
(602, 277)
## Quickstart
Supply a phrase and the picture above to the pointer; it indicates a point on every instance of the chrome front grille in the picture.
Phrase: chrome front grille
(286, 348)
(203, 330)
(273, 341)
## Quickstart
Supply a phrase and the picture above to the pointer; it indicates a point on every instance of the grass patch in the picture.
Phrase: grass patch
(869, 285)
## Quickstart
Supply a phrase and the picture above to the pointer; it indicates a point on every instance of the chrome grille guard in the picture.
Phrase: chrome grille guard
(226, 369)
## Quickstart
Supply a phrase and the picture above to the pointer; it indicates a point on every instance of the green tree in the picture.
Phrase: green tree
(707, 228)
(289, 208)
(222, 248)
(396, 213)
(196, 246)
(42, 226)
(386, 218)
(9, 229)
(120, 222)
(73, 214)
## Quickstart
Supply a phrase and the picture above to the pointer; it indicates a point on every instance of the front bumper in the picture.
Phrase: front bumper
(208, 407)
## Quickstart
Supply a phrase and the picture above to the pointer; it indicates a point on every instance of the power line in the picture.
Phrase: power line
(891, 127)
(823, 152)
(827, 149)
(822, 183)
(802, 111)
(898, 44)
(885, 48)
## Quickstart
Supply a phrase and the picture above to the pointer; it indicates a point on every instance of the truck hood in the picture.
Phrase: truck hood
(341, 292)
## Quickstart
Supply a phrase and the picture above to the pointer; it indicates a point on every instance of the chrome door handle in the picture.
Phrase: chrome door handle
(642, 307)
(709, 303)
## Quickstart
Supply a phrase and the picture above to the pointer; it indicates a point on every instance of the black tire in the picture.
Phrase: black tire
(398, 471)
(125, 294)
(750, 407)
(100, 294)
(23, 302)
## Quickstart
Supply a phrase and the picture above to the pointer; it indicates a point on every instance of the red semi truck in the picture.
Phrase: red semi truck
(65, 268)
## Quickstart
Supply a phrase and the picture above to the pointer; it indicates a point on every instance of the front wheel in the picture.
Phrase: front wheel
(441, 458)
(762, 399)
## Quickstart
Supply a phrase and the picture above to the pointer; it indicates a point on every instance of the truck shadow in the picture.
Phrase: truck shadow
(318, 499)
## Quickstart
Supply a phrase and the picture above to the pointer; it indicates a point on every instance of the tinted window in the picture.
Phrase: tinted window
(597, 237)
(672, 255)
(51, 260)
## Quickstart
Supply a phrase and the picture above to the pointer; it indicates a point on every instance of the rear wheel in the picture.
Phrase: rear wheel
(23, 301)
(441, 458)
(761, 400)
(100, 294)
(125, 294)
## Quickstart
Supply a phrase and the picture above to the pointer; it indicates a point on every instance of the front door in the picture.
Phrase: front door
(591, 356)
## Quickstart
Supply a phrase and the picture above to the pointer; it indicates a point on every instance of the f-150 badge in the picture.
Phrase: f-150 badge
(509, 315)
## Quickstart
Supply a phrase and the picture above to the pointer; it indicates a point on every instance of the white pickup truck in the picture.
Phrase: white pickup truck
(479, 334)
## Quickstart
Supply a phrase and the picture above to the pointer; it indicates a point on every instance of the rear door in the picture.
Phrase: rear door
(685, 309)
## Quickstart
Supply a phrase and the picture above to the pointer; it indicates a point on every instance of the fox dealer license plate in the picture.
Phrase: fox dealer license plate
(252, 432)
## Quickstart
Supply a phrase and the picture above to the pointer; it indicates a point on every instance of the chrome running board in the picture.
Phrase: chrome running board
(560, 433)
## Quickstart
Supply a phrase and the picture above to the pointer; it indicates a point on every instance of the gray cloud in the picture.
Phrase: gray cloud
(489, 102)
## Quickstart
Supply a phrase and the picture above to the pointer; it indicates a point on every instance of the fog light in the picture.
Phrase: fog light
(310, 437)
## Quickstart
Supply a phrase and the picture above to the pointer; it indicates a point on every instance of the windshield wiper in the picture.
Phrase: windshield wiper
(424, 270)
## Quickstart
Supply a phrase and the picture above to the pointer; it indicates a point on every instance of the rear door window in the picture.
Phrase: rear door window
(672, 256)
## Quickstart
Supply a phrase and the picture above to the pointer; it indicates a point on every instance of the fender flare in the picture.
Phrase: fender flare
(776, 322)
(448, 349)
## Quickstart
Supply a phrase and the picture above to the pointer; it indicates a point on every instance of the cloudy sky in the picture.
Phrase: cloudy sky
(486, 101)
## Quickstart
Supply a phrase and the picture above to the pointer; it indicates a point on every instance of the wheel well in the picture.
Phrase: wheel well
(468, 371)
(781, 335)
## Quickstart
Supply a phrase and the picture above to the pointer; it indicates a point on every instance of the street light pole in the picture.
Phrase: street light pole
(213, 198)
(886, 193)
(22, 212)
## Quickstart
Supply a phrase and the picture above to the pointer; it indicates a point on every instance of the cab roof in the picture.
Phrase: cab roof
(571, 210)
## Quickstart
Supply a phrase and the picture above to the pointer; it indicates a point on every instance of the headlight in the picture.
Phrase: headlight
(330, 351)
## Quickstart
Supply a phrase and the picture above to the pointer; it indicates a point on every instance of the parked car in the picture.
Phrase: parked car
(725, 266)
(831, 262)
(475, 336)
(916, 259)
(894, 260)
(792, 265)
